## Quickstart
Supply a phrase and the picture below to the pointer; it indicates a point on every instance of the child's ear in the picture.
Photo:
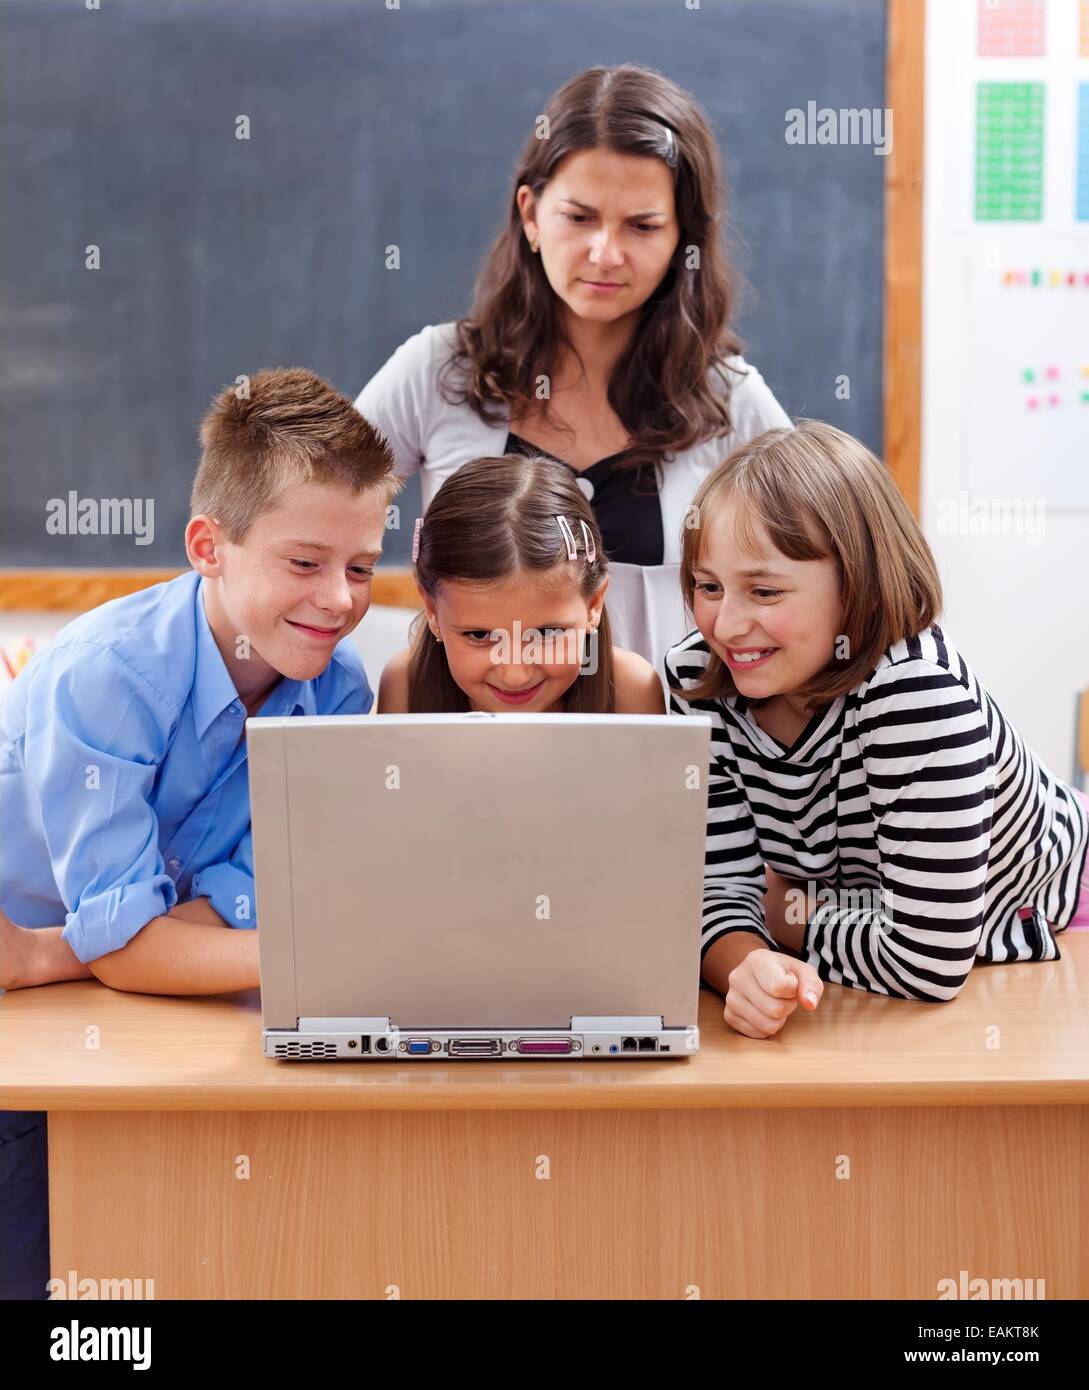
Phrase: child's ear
(203, 542)
(597, 603)
(429, 608)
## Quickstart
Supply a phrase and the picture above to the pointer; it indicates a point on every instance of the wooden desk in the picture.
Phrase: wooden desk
(547, 1179)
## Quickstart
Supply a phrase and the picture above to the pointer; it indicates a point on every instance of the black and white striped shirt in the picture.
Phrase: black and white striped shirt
(934, 834)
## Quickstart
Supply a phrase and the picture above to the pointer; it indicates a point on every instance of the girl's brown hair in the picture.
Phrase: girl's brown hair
(489, 520)
(818, 493)
(660, 387)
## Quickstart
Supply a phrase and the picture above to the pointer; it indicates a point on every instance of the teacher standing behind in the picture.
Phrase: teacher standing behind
(599, 335)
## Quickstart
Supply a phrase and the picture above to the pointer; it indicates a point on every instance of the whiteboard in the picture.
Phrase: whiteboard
(1027, 365)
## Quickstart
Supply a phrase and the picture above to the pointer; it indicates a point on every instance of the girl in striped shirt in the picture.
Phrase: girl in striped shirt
(873, 818)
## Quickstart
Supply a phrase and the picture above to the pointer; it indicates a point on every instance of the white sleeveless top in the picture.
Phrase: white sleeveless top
(428, 434)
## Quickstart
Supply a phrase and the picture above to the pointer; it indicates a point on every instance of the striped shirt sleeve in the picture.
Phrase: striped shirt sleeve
(734, 881)
(929, 768)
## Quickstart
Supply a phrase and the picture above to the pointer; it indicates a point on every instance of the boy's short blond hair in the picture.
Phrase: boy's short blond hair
(280, 426)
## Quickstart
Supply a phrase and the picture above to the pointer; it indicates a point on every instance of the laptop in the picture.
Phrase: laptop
(455, 886)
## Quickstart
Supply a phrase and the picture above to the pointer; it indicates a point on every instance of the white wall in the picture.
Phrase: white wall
(1018, 611)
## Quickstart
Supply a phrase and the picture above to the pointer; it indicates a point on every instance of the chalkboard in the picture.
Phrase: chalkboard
(367, 126)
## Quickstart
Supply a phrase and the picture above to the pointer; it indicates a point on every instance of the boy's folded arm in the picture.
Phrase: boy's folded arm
(92, 766)
(177, 954)
(197, 910)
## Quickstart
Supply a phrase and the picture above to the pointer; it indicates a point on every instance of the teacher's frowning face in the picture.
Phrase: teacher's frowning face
(606, 228)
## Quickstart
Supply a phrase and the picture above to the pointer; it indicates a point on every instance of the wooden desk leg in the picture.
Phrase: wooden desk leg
(573, 1204)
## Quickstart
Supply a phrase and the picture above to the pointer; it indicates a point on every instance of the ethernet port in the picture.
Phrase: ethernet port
(648, 1045)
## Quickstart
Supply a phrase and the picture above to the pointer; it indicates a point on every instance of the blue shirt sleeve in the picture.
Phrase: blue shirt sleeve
(230, 885)
(95, 735)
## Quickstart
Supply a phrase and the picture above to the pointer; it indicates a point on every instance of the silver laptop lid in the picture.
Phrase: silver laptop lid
(479, 871)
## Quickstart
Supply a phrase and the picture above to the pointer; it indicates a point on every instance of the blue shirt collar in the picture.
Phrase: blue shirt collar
(214, 691)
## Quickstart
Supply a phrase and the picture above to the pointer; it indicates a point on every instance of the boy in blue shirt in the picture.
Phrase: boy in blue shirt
(125, 845)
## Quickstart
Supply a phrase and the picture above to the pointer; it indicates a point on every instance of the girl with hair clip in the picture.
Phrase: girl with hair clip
(512, 574)
(873, 817)
(600, 334)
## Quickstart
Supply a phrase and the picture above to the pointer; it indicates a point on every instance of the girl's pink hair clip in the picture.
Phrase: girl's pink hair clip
(572, 544)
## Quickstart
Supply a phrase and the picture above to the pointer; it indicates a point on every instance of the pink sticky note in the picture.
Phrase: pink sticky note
(1032, 402)
(1053, 399)
(1051, 372)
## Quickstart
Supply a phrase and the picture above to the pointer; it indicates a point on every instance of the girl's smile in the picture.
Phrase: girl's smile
(517, 697)
(746, 658)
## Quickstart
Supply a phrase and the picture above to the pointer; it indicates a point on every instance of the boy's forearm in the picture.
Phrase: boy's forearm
(180, 955)
(40, 955)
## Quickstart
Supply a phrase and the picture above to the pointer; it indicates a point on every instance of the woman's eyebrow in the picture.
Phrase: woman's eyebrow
(652, 212)
(761, 573)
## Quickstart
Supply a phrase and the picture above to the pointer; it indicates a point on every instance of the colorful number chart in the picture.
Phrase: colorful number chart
(1009, 151)
(1011, 28)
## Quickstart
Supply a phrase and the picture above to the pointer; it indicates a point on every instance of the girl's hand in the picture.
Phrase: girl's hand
(765, 989)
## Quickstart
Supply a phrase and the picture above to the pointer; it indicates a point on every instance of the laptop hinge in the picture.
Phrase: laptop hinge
(344, 1025)
(616, 1023)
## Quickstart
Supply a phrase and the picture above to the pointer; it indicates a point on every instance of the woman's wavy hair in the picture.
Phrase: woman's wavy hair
(818, 493)
(493, 518)
(663, 387)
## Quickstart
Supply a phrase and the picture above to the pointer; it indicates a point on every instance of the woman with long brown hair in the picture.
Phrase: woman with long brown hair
(599, 335)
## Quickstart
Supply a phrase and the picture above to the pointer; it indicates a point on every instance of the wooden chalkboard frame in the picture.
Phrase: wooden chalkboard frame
(76, 590)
